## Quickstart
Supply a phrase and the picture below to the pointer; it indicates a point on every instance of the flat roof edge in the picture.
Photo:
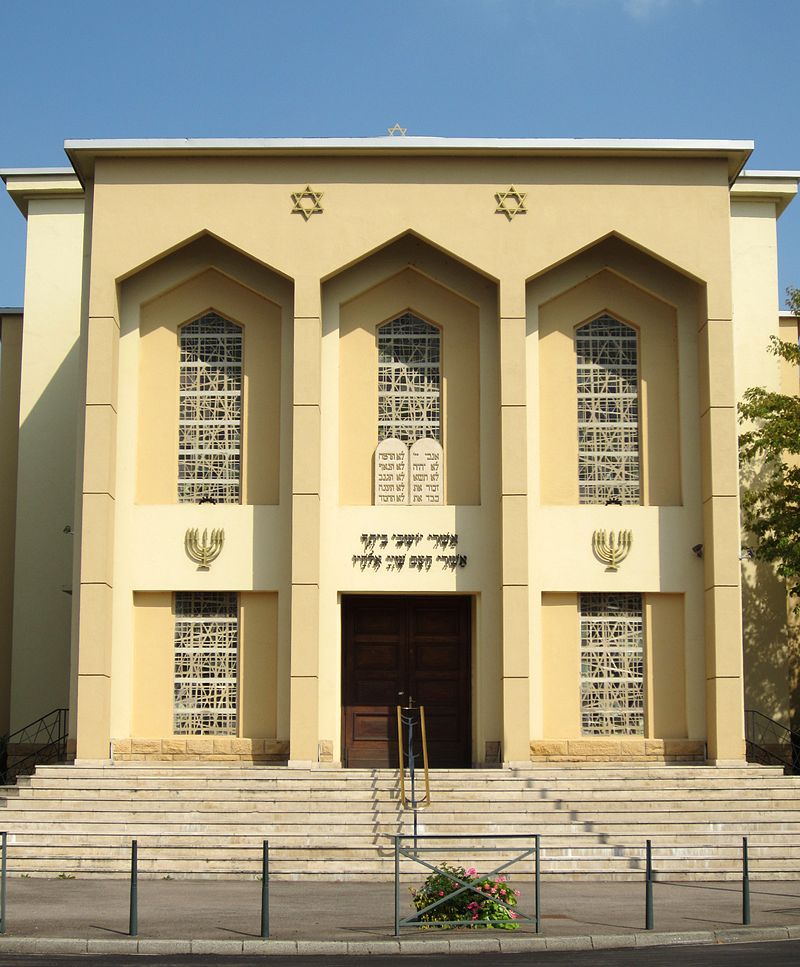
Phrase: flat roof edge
(27, 172)
(10, 310)
(398, 143)
(752, 173)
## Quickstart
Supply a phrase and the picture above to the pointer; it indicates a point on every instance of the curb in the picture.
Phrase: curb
(438, 945)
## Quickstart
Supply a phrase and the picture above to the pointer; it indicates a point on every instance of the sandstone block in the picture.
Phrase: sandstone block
(197, 747)
(593, 748)
(543, 748)
(173, 746)
(145, 746)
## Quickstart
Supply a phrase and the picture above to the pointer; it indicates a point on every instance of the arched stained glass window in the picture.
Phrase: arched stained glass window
(210, 420)
(409, 381)
(608, 412)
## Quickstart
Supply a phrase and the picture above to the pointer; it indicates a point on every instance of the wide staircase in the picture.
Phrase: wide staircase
(203, 821)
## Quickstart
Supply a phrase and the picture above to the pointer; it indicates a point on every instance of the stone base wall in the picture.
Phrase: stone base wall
(200, 748)
(618, 750)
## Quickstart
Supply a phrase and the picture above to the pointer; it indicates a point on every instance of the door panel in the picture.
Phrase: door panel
(400, 648)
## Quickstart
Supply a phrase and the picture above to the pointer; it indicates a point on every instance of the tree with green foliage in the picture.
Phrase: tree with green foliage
(769, 449)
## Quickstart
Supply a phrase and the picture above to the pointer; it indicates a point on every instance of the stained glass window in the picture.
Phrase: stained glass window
(206, 663)
(612, 664)
(210, 420)
(409, 384)
(608, 412)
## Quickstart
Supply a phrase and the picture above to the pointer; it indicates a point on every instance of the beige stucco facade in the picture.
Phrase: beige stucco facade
(669, 239)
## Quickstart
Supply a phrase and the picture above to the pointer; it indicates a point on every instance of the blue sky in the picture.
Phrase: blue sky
(481, 68)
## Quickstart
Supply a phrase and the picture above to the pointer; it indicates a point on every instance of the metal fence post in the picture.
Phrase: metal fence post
(3, 870)
(133, 917)
(538, 888)
(648, 888)
(745, 884)
(397, 886)
(265, 891)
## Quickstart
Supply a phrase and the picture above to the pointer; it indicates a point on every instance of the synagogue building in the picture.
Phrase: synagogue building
(297, 431)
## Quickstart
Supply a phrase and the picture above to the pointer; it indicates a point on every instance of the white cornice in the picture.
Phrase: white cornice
(83, 153)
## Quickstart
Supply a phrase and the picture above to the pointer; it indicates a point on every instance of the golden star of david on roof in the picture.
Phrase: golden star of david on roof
(306, 202)
(511, 202)
(396, 130)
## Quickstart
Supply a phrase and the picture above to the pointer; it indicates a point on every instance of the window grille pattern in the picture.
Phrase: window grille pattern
(608, 412)
(612, 664)
(206, 663)
(210, 421)
(409, 385)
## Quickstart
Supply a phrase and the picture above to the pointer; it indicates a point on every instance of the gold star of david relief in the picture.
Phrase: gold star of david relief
(396, 130)
(511, 202)
(307, 202)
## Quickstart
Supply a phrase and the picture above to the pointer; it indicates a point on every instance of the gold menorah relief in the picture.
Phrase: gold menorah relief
(204, 550)
(610, 549)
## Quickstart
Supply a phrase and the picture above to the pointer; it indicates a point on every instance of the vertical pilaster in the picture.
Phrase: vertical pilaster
(514, 531)
(306, 392)
(721, 543)
(96, 566)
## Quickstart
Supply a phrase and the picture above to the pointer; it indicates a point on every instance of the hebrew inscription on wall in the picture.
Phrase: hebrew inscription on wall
(391, 472)
(426, 472)
(417, 552)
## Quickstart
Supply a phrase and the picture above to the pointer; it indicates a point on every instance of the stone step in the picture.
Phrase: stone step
(467, 793)
(778, 821)
(338, 777)
(672, 841)
(353, 866)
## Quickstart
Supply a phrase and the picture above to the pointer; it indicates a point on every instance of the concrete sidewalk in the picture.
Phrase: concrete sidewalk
(212, 916)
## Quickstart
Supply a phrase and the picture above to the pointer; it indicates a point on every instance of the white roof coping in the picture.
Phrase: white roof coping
(82, 153)
(32, 172)
(591, 144)
(752, 173)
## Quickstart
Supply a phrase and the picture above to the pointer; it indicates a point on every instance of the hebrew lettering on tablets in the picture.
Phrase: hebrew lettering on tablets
(426, 472)
(391, 472)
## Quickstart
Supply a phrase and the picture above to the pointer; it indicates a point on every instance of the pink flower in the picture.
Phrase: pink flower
(472, 871)
(441, 892)
(516, 892)
(514, 916)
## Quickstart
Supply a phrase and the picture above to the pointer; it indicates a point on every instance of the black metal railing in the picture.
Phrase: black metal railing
(770, 743)
(41, 742)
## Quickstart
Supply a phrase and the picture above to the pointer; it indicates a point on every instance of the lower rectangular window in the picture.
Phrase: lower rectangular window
(206, 663)
(612, 664)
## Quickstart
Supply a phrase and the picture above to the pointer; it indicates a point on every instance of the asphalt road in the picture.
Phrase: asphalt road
(782, 954)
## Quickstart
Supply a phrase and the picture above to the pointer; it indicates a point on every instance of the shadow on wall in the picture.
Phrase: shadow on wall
(771, 646)
(45, 507)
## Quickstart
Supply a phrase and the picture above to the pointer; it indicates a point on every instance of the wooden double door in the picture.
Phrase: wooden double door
(399, 649)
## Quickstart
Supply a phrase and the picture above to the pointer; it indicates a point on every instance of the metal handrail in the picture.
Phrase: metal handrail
(770, 743)
(48, 733)
(409, 721)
